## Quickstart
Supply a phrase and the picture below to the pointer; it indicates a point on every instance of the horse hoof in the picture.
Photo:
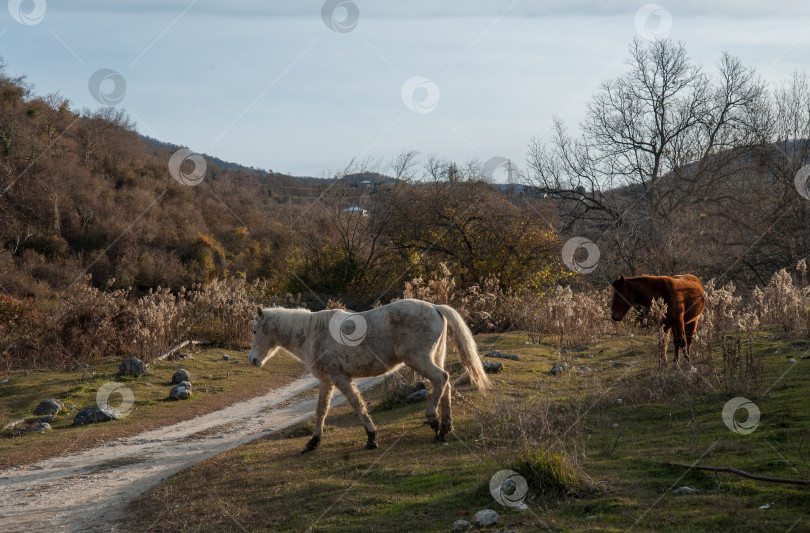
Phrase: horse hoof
(440, 437)
(434, 425)
(312, 444)
(371, 445)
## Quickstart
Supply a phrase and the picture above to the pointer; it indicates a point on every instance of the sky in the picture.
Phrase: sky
(304, 87)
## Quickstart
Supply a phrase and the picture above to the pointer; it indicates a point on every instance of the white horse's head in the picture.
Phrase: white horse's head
(264, 339)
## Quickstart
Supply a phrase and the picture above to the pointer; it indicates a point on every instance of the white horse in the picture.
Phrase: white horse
(337, 346)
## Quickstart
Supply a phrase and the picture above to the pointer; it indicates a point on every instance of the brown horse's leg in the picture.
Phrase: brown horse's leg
(347, 388)
(324, 397)
(690, 333)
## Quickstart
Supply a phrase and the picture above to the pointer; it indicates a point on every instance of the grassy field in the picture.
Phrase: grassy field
(617, 450)
(216, 383)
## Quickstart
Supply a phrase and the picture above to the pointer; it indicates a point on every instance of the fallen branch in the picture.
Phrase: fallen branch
(744, 474)
(170, 351)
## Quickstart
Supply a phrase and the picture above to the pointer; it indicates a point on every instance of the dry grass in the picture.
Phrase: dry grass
(87, 325)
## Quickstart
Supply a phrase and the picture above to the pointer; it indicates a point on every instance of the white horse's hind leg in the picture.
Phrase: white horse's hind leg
(440, 355)
(324, 397)
(347, 388)
(441, 381)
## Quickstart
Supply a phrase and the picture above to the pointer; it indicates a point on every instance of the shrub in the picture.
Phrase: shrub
(551, 475)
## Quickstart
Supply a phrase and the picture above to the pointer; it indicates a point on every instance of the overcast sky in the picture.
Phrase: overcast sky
(289, 87)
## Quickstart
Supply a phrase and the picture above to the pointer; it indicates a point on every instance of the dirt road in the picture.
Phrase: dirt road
(88, 491)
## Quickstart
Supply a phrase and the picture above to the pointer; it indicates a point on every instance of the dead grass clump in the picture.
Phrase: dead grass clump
(782, 302)
(576, 318)
(658, 312)
(477, 303)
(741, 372)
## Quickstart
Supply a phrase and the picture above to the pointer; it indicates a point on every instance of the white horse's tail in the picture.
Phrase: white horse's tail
(466, 345)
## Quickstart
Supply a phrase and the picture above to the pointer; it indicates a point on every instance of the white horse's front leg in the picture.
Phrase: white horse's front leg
(348, 389)
(324, 397)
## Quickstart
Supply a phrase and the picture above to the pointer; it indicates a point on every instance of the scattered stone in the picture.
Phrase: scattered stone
(684, 490)
(619, 401)
(226, 357)
(418, 396)
(50, 406)
(93, 414)
(618, 364)
(766, 506)
(558, 367)
(24, 427)
(133, 367)
(579, 348)
(584, 368)
(6, 380)
(406, 389)
(181, 391)
(85, 365)
(499, 355)
(492, 367)
(461, 525)
(593, 517)
(522, 507)
(791, 360)
(615, 425)
(250, 469)
(485, 517)
(180, 376)
(73, 406)
(185, 356)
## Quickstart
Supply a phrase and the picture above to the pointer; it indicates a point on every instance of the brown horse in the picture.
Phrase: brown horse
(682, 294)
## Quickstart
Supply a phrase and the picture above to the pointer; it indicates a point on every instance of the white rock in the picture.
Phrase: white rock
(792, 360)
(684, 490)
(766, 506)
(461, 525)
(485, 517)
(522, 507)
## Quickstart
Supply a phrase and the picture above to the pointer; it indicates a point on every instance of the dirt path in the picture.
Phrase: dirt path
(88, 491)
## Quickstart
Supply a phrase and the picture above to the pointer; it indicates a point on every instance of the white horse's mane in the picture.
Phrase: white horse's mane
(293, 323)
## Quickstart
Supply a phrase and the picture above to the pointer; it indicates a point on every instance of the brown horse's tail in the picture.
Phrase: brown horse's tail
(466, 345)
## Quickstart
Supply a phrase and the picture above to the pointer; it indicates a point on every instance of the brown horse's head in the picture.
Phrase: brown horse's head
(622, 299)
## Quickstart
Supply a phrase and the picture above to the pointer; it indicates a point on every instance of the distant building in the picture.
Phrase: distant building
(356, 211)
(365, 183)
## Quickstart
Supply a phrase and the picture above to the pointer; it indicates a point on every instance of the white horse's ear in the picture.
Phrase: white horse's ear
(259, 311)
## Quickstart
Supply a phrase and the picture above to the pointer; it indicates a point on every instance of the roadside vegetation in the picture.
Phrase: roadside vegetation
(594, 446)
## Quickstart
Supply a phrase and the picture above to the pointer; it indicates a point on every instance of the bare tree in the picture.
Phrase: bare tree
(655, 140)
